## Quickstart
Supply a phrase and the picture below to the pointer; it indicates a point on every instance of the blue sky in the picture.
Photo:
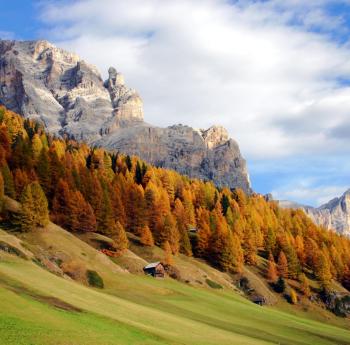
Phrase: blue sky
(274, 73)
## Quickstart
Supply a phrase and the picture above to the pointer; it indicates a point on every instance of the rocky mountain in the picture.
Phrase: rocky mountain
(334, 215)
(39, 80)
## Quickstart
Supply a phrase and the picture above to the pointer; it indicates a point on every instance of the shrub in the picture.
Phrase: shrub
(94, 279)
(293, 298)
(280, 285)
(74, 269)
(213, 284)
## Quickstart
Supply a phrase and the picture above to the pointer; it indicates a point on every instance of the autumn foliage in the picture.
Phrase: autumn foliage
(90, 189)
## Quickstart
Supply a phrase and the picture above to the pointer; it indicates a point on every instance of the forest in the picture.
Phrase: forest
(86, 189)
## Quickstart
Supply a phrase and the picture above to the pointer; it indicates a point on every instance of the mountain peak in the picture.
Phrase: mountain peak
(67, 94)
(115, 77)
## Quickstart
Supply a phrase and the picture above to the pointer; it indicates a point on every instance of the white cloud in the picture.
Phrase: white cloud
(267, 70)
(214, 62)
(306, 191)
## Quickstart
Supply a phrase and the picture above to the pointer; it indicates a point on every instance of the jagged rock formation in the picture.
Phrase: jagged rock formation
(334, 215)
(41, 81)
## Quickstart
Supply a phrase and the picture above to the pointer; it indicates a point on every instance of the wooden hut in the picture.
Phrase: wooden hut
(260, 300)
(155, 269)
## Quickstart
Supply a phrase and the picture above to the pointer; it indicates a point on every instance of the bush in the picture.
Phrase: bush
(293, 298)
(172, 271)
(213, 284)
(94, 279)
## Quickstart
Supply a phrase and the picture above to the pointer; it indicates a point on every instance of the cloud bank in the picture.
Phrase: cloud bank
(275, 73)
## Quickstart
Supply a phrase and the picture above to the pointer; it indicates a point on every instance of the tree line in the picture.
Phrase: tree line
(86, 189)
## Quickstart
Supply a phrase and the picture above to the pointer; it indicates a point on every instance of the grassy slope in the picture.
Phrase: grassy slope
(161, 312)
(134, 309)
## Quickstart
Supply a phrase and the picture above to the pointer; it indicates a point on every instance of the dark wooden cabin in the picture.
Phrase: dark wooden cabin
(155, 269)
(260, 300)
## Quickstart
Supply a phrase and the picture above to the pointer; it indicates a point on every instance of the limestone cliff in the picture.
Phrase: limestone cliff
(41, 81)
(334, 215)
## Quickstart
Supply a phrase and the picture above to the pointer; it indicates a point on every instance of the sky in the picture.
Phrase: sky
(275, 73)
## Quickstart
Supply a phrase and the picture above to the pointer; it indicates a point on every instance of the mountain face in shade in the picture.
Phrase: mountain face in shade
(41, 81)
(334, 215)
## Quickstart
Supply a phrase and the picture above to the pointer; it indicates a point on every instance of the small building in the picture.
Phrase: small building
(155, 269)
(260, 300)
(192, 230)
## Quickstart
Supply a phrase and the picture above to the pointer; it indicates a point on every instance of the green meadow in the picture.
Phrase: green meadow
(39, 308)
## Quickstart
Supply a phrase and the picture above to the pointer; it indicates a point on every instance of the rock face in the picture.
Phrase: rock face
(334, 215)
(41, 81)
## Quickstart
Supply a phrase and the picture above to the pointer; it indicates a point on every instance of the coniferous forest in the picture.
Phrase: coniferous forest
(85, 189)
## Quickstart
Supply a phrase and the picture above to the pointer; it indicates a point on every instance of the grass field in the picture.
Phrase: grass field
(39, 308)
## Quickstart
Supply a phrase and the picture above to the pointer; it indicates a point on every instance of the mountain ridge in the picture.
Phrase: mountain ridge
(333, 215)
(40, 81)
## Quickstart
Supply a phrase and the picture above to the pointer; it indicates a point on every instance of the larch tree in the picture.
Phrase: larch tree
(146, 237)
(271, 272)
(41, 206)
(323, 272)
(168, 256)
(282, 265)
(203, 233)
(304, 285)
(34, 208)
(120, 240)
(9, 185)
(86, 220)
(179, 213)
(2, 192)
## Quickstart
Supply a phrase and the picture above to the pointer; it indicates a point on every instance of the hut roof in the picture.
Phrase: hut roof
(152, 265)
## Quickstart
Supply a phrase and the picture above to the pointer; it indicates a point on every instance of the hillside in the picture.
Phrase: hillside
(79, 224)
(42, 308)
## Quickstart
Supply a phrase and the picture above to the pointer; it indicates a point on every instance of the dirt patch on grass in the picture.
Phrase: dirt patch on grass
(49, 300)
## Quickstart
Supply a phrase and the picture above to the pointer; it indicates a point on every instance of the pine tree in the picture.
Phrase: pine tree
(128, 162)
(146, 237)
(225, 203)
(282, 265)
(271, 273)
(280, 285)
(138, 173)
